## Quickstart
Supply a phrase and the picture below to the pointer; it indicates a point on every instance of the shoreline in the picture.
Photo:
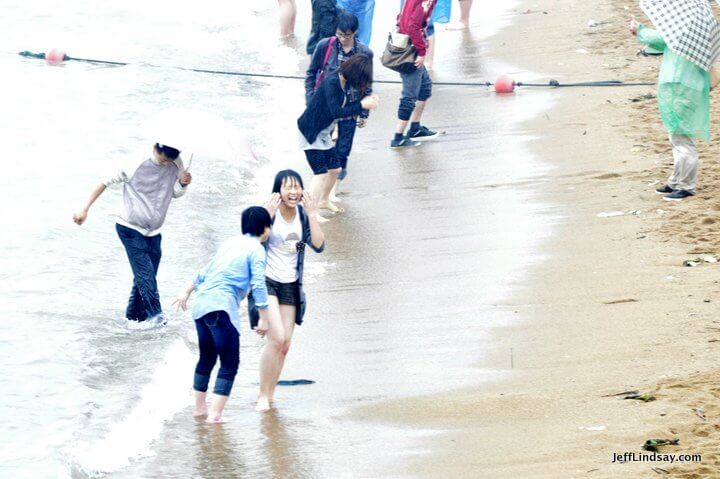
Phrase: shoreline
(611, 309)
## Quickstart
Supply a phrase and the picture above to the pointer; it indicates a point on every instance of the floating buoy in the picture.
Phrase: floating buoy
(55, 56)
(504, 84)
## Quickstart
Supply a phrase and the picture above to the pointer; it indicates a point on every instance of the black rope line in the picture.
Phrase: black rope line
(551, 83)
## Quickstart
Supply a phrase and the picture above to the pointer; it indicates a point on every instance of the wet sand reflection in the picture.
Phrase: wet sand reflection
(216, 455)
(281, 447)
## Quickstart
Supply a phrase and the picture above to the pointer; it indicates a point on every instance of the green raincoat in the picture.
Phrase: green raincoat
(683, 90)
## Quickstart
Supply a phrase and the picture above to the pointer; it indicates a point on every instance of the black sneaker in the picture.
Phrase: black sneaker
(664, 190)
(677, 195)
(403, 142)
(423, 133)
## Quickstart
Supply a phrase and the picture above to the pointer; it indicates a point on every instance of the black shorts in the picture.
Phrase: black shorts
(321, 161)
(286, 293)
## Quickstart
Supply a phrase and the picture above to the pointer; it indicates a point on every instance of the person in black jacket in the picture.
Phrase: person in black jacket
(329, 54)
(324, 21)
(330, 103)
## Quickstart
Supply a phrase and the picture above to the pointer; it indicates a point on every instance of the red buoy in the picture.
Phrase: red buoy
(55, 56)
(504, 84)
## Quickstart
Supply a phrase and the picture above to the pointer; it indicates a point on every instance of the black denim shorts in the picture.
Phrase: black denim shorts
(286, 293)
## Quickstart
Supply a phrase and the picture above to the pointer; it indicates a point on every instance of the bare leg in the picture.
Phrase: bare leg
(217, 408)
(287, 313)
(270, 358)
(465, 6)
(200, 404)
(430, 54)
(401, 126)
(333, 193)
(464, 22)
(327, 187)
(316, 188)
(418, 111)
(288, 11)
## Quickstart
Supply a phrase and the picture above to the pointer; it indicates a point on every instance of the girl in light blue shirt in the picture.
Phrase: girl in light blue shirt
(238, 266)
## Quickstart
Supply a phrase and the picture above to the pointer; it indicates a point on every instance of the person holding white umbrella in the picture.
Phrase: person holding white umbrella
(147, 193)
(689, 37)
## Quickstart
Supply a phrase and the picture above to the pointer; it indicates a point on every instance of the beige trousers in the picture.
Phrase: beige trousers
(685, 163)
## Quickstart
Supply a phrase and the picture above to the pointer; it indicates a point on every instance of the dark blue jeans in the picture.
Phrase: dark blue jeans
(343, 146)
(144, 254)
(217, 337)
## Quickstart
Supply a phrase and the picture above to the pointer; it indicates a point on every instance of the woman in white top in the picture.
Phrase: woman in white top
(294, 227)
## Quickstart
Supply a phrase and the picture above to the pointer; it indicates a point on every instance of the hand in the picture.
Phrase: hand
(309, 204)
(634, 24)
(185, 178)
(273, 204)
(181, 302)
(419, 61)
(361, 122)
(369, 102)
(262, 327)
(79, 218)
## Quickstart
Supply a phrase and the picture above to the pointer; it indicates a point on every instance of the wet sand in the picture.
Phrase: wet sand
(610, 308)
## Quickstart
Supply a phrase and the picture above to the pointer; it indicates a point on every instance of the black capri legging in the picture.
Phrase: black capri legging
(217, 337)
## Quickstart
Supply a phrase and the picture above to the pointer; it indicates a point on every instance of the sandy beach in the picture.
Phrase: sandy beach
(611, 308)
(481, 304)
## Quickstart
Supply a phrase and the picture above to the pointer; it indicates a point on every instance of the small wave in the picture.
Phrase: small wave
(132, 437)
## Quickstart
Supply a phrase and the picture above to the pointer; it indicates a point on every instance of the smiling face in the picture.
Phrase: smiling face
(290, 192)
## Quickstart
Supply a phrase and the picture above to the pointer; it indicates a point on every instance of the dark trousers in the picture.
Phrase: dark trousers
(144, 254)
(343, 146)
(217, 337)
(416, 86)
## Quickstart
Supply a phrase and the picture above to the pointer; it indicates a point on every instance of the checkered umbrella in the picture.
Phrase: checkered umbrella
(688, 27)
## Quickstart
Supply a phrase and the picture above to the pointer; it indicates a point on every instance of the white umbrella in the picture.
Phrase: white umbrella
(688, 27)
(195, 133)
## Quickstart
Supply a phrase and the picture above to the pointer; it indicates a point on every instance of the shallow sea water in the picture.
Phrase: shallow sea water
(87, 396)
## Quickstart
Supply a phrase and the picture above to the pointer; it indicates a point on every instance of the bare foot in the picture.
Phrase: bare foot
(200, 412)
(457, 26)
(215, 420)
(327, 205)
(262, 405)
(335, 199)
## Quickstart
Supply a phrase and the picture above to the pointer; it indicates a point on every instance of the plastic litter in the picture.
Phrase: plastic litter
(653, 444)
(593, 428)
(610, 214)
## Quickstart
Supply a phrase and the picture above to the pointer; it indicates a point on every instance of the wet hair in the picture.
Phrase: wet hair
(358, 71)
(346, 21)
(254, 220)
(168, 151)
(283, 176)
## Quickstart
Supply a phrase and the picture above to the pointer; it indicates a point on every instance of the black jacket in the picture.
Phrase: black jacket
(327, 104)
(324, 22)
(316, 66)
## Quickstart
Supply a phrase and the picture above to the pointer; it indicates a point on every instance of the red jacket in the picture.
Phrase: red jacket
(412, 21)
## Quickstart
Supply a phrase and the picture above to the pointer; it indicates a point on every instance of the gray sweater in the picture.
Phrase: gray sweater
(147, 194)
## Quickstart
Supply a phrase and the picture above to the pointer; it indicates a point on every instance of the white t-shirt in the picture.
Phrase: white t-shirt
(282, 249)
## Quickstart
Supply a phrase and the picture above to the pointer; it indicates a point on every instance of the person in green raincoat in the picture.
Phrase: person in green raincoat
(684, 103)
